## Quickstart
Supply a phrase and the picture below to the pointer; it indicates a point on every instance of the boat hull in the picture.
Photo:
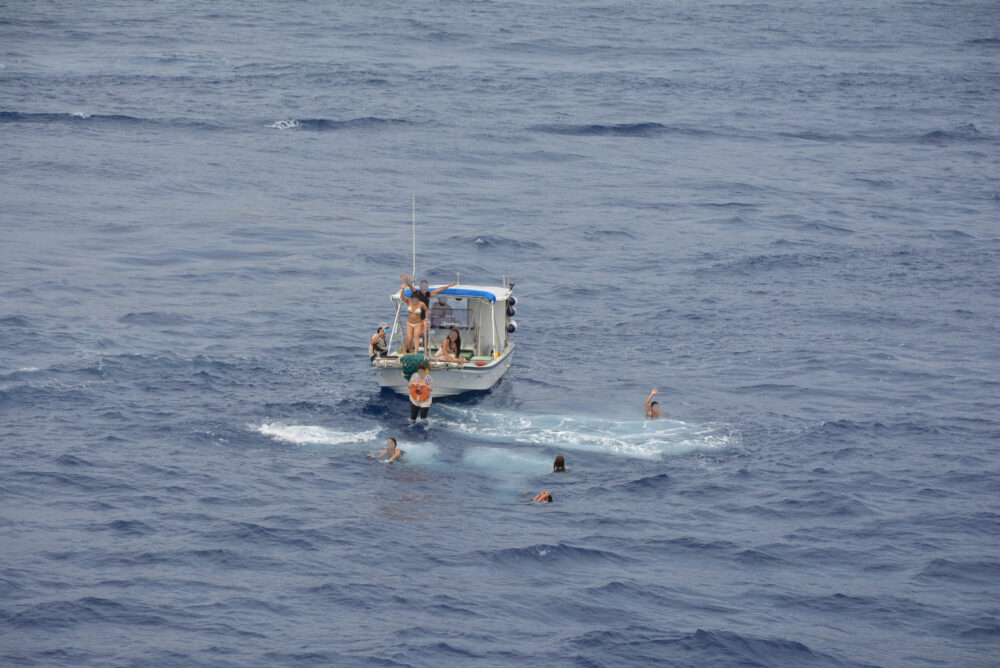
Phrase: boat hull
(452, 380)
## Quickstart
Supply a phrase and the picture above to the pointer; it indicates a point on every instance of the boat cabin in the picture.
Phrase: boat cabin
(481, 315)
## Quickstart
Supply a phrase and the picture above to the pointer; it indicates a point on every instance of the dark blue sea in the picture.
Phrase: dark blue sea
(784, 215)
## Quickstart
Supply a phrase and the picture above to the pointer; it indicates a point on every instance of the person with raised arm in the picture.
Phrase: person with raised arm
(424, 294)
(652, 407)
(415, 311)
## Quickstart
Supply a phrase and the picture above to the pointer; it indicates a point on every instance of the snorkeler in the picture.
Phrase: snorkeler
(390, 449)
(652, 409)
(542, 497)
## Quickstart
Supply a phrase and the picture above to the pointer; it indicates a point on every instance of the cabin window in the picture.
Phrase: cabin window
(450, 316)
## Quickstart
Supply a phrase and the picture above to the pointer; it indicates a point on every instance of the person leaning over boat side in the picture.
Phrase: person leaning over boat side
(390, 449)
(451, 348)
(376, 347)
(415, 310)
(421, 387)
(652, 409)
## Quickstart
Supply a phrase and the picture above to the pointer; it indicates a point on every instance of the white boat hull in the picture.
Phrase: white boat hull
(449, 379)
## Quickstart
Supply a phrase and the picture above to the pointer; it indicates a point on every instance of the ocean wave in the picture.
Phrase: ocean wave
(967, 132)
(489, 240)
(328, 124)
(972, 572)
(98, 120)
(549, 554)
(599, 130)
(88, 610)
(157, 318)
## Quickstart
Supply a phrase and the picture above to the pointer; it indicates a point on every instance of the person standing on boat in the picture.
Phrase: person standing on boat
(421, 387)
(424, 294)
(377, 347)
(415, 311)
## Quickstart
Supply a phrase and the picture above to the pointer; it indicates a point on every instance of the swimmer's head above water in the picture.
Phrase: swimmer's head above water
(542, 497)
(559, 466)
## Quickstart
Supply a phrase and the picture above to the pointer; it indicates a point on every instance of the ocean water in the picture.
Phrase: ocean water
(784, 215)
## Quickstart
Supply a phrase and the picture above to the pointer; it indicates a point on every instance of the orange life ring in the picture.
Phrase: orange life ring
(419, 392)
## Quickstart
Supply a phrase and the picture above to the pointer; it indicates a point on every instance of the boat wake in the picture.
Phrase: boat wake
(627, 438)
(314, 435)
(419, 452)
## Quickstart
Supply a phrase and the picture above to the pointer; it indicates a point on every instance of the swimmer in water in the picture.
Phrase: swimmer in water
(542, 497)
(652, 407)
(390, 449)
(559, 466)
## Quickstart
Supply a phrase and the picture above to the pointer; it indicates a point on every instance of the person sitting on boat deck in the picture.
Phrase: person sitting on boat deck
(451, 348)
(414, 320)
(559, 466)
(542, 497)
(391, 450)
(377, 347)
(421, 387)
(652, 407)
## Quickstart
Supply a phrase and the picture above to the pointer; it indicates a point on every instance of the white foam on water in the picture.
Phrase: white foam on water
(501, 460)
(645, 439)
(314, 435)
(418, 452)
(285, 124)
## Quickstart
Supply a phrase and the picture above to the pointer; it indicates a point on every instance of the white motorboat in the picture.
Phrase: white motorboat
(482, 315)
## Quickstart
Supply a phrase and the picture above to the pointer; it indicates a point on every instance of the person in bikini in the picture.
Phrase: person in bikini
(414, 320)
(424, 294)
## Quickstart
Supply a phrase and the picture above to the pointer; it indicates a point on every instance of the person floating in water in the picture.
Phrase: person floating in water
(377, 347)
(421, 387)
(543, 497)
(559, 466)
(391, 450)
(652, 407)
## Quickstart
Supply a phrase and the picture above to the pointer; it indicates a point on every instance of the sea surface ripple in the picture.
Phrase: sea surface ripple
(785, 216)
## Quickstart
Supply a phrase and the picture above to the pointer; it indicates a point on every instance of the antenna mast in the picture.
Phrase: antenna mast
(414, 226)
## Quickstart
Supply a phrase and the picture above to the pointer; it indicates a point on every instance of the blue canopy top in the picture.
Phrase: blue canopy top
(463, 292)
